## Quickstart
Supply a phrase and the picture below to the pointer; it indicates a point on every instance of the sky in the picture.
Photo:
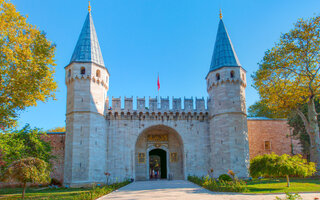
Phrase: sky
(175, 38)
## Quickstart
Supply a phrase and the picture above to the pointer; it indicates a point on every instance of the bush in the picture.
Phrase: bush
(224, 177)
(196, 180)
(291, 197)
(219, 186)
(97, 192)
(281, 166)
(55, 181)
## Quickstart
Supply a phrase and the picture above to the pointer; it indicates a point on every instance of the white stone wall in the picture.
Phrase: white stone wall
(85, 124)
(228, 121)
(230, 144)
(123, 134)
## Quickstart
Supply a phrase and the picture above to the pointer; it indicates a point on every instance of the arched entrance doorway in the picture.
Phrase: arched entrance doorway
(159, 154)
(157, 164)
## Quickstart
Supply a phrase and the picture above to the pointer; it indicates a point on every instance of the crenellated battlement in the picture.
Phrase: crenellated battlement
(158, 116)
(165, 104)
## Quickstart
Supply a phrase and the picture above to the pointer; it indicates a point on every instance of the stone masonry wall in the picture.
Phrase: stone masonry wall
(228, 121)
(85, 146)
(57, 141)
(275, 131)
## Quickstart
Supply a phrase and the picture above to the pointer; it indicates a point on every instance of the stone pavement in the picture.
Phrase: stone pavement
(184, 190)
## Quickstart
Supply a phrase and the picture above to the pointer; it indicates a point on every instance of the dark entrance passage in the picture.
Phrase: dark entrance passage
(158, 164)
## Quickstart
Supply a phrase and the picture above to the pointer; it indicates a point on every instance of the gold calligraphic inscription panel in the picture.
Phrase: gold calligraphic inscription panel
(158, 138)
(142, 158)
(173, 157)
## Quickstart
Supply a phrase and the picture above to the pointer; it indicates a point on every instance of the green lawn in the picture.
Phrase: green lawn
(61, 193)
(280, 185)
(255, 186)
(35, 193)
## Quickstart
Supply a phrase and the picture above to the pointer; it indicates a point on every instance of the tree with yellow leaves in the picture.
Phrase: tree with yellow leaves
(288, 77)
(26, 65)
(58, 129)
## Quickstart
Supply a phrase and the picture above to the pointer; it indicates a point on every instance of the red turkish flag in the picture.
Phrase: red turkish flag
(158, 83)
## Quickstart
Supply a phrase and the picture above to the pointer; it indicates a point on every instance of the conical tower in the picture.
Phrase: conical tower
(226, 83)
(87, 81)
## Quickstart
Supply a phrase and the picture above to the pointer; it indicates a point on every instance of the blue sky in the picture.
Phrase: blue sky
(175, 38)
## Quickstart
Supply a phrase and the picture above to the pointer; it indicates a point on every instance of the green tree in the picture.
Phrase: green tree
(28, 170)
(260, 109)
(26, 65)
(2, 162)
(281, 166)
(24, 143)
(288, 77)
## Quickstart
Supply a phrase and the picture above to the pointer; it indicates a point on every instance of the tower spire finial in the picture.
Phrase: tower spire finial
(89, 7)
(87, 48)
(220, 14)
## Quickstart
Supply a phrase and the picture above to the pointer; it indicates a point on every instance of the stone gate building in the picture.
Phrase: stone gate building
(158, 140)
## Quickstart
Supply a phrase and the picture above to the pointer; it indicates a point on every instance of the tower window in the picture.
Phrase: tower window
(107, 79)
(218, 76)
(232, 74)
(69, 73)
(98, 73)
(83, 71)
(243, 77)
(267, 145)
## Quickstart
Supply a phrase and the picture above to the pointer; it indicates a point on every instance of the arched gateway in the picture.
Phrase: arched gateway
(159, 154)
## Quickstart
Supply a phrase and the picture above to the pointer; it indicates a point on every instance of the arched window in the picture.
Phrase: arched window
(107, 79)
(83, 71)
(98, 73)
(232, 74)
(243, 77)
(218, 76)
(69, 73)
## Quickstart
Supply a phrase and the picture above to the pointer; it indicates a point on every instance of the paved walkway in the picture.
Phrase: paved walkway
(184, 190)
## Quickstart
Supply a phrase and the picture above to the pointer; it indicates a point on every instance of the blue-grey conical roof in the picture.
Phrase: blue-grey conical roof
(88, 48)
(223, 53)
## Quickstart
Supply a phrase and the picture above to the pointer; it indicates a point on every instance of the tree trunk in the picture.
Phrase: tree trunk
(288, 181)
(24, 189)
(314, 134)
(312, 128)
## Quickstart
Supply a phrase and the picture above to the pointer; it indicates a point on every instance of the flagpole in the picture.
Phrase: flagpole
(158, 93)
